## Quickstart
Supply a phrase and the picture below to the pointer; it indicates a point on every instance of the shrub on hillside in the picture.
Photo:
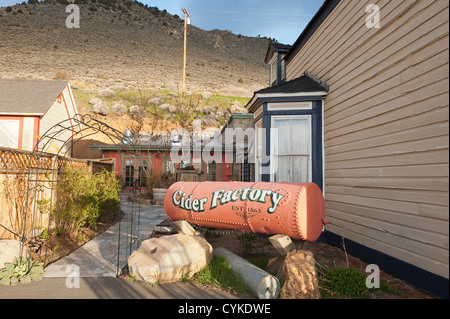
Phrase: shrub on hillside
(119, 109)
(100, 108)
(106, 93)
(62, 74)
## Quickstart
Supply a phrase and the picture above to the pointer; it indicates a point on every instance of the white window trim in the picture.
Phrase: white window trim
(272, 142)
(11, 131)
(257, 163)
(286, 106)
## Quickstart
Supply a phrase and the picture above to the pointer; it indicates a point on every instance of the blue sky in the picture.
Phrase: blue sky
(283, 20)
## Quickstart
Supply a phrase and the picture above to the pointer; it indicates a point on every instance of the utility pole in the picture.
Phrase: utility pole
(186, 22)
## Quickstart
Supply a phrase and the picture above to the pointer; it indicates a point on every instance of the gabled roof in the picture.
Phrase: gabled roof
(299, 85)
(276, 47)
(31, 97)
(302, 86)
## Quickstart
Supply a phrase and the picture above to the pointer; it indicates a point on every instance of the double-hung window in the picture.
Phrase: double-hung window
(291, 149)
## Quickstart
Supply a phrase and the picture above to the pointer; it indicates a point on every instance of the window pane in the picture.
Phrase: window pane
(283, 169)
(300, 169)
(283, 147)
(301, 136)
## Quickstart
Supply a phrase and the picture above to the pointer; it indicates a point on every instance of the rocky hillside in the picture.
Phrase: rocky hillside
(122, 44)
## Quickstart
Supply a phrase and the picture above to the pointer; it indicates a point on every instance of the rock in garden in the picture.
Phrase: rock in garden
(9, 250)
(299, 270)
(169, 258)
(183, 227)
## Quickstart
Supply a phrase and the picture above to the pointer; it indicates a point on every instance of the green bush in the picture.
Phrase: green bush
(347, 282)
(83, 197)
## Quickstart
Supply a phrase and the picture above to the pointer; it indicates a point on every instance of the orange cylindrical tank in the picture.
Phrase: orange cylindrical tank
(293, 209)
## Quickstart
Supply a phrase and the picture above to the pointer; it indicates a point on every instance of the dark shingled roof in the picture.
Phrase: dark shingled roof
(301, 84)
(28, 96)
(276, 47)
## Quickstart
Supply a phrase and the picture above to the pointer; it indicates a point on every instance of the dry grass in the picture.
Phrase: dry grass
(119, 48)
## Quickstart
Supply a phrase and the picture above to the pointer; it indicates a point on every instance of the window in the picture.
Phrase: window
(246, 171)
(170, 166)
(135, 172)
(211, 171)
(9, 133)
(143, 167)
(129, 173)
(291, 149)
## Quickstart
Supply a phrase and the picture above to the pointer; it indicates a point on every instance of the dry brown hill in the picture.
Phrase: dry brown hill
(121, 43)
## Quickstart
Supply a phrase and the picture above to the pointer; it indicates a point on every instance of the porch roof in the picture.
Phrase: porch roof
(299, 85)
(302, 86)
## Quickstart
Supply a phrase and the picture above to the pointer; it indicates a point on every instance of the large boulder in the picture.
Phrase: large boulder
(9, 250)
(169, 258)
(299, 271)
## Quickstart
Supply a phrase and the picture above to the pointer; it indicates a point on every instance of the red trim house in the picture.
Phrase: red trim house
(211, 161)
(28, 108)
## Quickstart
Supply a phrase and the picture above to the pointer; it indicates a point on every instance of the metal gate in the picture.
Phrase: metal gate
(43, 179)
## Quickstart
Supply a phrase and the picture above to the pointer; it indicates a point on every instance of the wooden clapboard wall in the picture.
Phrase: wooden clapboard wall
(386, 126)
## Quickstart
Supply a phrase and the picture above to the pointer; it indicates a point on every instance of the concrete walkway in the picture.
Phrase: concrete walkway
(90, 271)
(102, 256)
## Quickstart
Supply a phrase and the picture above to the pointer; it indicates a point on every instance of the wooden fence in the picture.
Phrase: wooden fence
(17, 169)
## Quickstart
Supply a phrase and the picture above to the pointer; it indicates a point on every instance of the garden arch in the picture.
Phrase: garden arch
(44, 168)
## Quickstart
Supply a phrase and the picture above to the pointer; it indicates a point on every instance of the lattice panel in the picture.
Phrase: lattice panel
(16, 160)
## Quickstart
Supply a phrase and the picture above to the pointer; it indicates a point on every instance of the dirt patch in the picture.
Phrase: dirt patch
(257, 248)
(60, 245)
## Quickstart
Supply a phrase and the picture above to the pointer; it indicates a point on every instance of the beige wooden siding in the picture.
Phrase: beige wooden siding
(386, 126)
(28, 134)
(57, 113)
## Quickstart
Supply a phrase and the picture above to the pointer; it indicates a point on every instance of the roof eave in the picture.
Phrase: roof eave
(323, 12)
(20, 114)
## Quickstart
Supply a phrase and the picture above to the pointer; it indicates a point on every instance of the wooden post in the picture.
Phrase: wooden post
(186, 15)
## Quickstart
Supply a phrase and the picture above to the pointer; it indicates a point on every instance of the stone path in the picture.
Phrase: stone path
(99, 257)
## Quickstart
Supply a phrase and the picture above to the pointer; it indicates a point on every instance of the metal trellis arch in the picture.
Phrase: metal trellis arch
(43, 175)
